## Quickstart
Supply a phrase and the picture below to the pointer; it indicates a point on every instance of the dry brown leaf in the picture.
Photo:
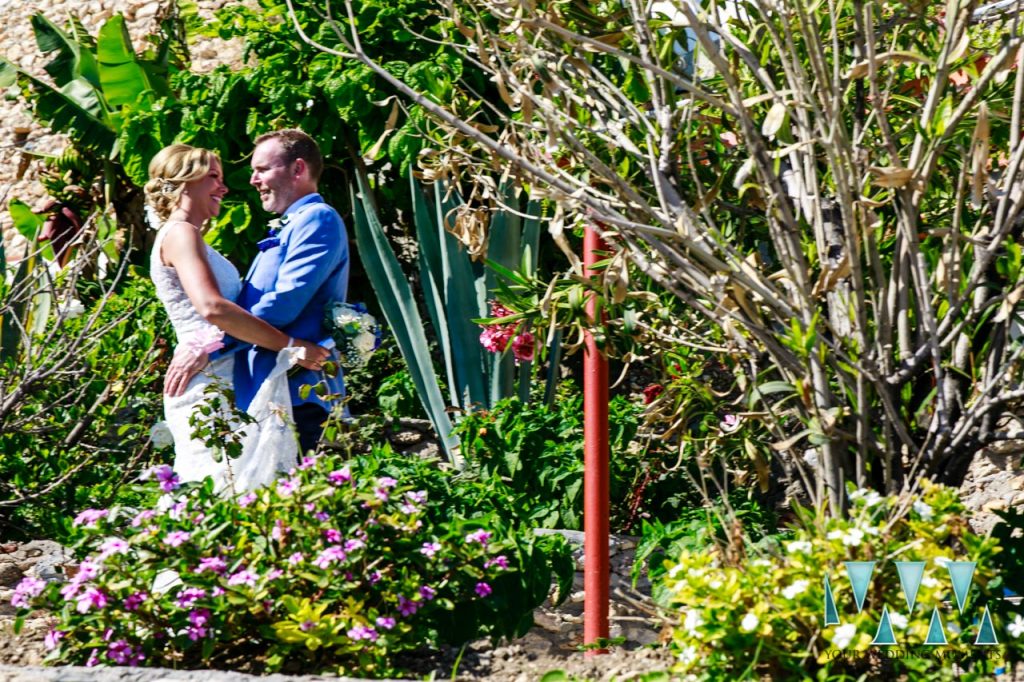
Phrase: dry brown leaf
(860, 69)
(891, 176)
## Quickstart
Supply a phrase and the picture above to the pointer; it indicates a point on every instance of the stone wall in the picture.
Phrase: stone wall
(18, 130)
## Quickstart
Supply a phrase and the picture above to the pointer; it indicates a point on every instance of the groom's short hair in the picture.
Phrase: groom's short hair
(297, 145)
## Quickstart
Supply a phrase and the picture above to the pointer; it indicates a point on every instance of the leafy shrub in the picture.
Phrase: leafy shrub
(763, 614)
(340, 565)
(397, 397)
(77, 404)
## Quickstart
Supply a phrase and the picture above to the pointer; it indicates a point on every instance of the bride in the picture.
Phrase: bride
(197, 286)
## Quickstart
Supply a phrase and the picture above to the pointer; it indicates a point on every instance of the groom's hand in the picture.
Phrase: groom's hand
(185, 365)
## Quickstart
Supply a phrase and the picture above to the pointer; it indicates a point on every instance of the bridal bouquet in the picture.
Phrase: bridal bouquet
(355, 332)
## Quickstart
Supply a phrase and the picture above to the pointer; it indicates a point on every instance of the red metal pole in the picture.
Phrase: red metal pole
(595, 469)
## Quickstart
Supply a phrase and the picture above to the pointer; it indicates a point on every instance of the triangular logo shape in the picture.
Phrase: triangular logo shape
(986, 633)
(860, 577)
(884, 636)
(936, 634)
(961, 573)
(911, 573)
(831, 612)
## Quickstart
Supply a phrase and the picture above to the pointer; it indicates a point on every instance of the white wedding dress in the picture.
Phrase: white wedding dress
(269, 446)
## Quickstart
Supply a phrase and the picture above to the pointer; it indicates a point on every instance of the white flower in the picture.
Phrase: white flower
(898, 620)
(872, 499)
(929, 581)
(364, 342)
(72, 308)
(763, 563)
(924, 510)
(872, 530)
(941, 561)
(749, 622)
(715, 584)
(693, 620)
(802, 546)
(161, 436)
(835, 535)
(1016, 628)
(854, 537)
(799, 587)
(857, 494)
(309, 104)
(843, 635)
(811, 457)
(688, 656)
(675, 571)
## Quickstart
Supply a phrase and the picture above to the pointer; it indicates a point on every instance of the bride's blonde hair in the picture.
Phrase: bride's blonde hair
(170, 169)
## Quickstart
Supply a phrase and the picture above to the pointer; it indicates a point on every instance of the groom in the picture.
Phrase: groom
(303, 265)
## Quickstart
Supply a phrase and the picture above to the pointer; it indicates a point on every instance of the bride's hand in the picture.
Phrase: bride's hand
(185, 365)
(315, 355)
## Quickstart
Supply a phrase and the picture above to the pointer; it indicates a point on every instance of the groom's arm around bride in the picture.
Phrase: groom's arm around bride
(302, 266)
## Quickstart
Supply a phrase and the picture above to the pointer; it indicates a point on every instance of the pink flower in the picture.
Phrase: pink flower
(307, 463)
(94, 659)
(53, 638)
(375, 577)
(274, 574)
(730, 423)
(321, 516)
(523, 347)
(482, 589)
(407, 607)
(243, 577)
(133, 601)
(279, 531)
(499, 561)
(217, 591)
(430, 549)
(246, 500)
(332, 535)
(296, 558)
(169, 481)
(214, 564)
(427, 592)
(189, 596)
(382, 494)
(353, 545)
(330, 556)
(113, 546)
(363, 632)
(287, 486)
(198, 620)
(87, 570)
(652, 392)
(417, 497)
(729, 139)
(142, 517)
(27, 589)
(498, 310)
(495, 338)
(387, 482)
(91, 598)
(119, 652)
(340, 476)
(89, 517)
(386, 622)
(481, 537)
(176, 538)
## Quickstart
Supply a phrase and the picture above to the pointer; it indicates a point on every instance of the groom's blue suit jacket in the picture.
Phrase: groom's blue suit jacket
(289, 286)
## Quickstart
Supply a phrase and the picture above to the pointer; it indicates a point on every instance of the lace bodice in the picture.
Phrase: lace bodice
(184, 317)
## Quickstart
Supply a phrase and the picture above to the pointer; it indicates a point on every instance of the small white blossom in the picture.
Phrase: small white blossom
(854, 537)
(799, 587)
(898, 621)
(802, 546)
(715, 584)
(688, 656)
(924, 510)
(941, 561)
(72, 308)
(365, 342)
(674, 572)
(749, 622)
(763, 563)
(835, 535)
(843, 635)
(693, 620)
(929, 581)
(1016, 628)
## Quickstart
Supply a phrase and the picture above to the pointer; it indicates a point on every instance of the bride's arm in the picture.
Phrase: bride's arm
(184, 250)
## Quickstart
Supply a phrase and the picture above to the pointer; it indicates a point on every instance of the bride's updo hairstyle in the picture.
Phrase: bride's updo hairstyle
(170, 169)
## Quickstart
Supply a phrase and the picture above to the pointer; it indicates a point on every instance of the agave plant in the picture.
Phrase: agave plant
(456, 289)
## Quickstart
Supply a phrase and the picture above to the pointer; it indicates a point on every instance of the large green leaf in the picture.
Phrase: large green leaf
(75, 109)
(465, 296)
(399, 306)
(504, 247)
(73, 59)
(121, 76)
(431, 280)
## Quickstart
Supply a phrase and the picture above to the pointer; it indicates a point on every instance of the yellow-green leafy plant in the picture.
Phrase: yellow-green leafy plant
(744, 615)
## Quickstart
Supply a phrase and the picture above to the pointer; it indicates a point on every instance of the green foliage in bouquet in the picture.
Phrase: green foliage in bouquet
(339, 566)
(750, 612)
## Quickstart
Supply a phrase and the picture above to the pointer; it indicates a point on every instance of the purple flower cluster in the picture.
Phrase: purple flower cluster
(481, 537)
(331, 555)
(340, 476)
(89, 517)
(164, 474)
(214, 564)
(189, 596)
(122, 653)
(198, 621)
(27, 589)
(363, 632)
